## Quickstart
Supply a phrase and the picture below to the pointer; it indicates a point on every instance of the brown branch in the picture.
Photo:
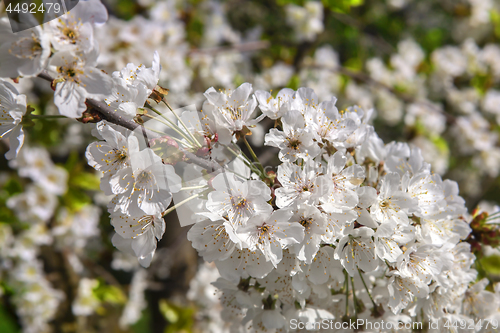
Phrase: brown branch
(98, 270)
(110, 114)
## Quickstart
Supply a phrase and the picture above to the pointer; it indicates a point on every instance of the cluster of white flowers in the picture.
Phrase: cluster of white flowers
(345, 227)
(307, 21)
(142, 187)
(342, 205)
(63, 48)
(45, 224)
(429, 95)
(35, 298)
(460, 80)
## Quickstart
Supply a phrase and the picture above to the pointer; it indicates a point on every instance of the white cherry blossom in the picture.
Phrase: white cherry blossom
(77, 79)
(295, 141)
(275, 108)
(12, 110)
(212, 239)
(338, 185)
(315, 230)
(146, 186)
(270, 233)
(357, 250)
(238, 200)
(298, 184)
(392, 203)
(234, 109)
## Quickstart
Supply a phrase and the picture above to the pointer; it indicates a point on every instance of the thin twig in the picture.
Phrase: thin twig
(109, 114)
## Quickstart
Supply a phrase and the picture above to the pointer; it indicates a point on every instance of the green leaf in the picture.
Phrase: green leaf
(291, 2)
(342, 6)
(433, 39)
(482, 83)
(169, 312)
(86, 181)
(354, 64)
(7, 323)
(491, 264)
(142, 325)
(239, 79)
(126, 9)
(109, 293)
(75, 199)
(294, 82)
(181, 319)
(6, 215)
(13, 186)
(72, 161)
(440, 144)
(495, 19)
(356, 3)
(6, 289)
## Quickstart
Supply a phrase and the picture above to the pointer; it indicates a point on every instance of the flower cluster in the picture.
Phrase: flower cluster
(343, 212)
(453, 85)
(342, 226)
(22, 269)
(142, 187)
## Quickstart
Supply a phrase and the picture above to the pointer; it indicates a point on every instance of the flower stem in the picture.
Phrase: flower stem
(161, 133)
(180, 121)
(366, 287)
(354, 297)
(169, 124)
(256, 159)
(245, 160)
(180, 204)
(346, 294)
(193, 187)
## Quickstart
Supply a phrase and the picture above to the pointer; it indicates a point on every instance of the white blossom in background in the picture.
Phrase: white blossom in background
(34, 205)
(491, 103)
(449, 61)
(75, 229)
(35, 298)
(307, 21)
(85, 302)
(136, 300)
(276, 76)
